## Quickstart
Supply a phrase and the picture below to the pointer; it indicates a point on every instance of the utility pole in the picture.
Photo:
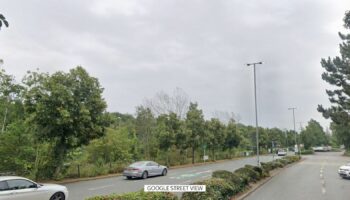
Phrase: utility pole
(296, 143)
(256, 111)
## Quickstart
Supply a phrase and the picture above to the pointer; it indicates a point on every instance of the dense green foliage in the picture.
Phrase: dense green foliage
(313, 135)
(138, 196)
(338, 75)
(216, 188)
(57, 127)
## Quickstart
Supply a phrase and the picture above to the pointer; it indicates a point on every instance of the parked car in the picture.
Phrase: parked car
(144, 169)
(344, 171)
(281, 152)
(19, 188)
(322, 148)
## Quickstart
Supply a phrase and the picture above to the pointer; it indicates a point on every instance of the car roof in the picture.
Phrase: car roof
(5, 178)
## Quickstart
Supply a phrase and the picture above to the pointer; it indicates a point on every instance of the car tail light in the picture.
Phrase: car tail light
(135, 169)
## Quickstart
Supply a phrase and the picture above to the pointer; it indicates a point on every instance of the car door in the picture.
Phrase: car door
(150, 168)
(4, 191)
(157, 168)
(21, 189)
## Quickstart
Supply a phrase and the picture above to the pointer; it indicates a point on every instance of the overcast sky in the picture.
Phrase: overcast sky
(137, 48)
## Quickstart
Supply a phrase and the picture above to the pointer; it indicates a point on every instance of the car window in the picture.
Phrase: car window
(3, 186)
(154, 164)
(18, 184)
(149, 164)
(137, 164)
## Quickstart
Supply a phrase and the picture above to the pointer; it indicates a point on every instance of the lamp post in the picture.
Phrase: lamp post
(296, 143)
(256, 111)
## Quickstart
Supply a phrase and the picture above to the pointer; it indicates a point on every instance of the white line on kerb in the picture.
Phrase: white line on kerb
(97, 188)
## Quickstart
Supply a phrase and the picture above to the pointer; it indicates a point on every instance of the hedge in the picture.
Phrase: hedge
(252, 175)
(141, 195)
(216, 188)
(307, 152)
(235, 180)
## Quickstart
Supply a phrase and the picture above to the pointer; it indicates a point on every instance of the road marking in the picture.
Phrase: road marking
(189, 175)
(98, 188)
(185, 182)
(323, 182)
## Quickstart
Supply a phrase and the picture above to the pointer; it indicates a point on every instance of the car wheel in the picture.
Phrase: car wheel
(165, 171)
(129, 177)
(145, 175)
(58, 196)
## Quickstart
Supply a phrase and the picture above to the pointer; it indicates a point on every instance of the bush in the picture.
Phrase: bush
(267, 166)
(141, 195)
(284, 162)
(292, 158)
(216, 188)
(237, 182)
(248, 172)
(307, 152)
(262, 173)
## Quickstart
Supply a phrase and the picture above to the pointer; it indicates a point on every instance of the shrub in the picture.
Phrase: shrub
(292, 158)
(307, 152)
(216, 188)
(141, 195)
(250, 173)
(237, 182)
(282, 161)
(267, 166)
(277, 164)
(262, 173)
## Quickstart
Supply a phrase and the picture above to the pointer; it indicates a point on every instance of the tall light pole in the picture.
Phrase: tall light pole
(256, 111)
(294, 129)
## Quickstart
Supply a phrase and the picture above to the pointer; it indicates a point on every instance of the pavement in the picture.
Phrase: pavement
(183, 176)
(314, 178)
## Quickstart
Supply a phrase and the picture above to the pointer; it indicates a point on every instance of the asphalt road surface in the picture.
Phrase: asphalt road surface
(183, 176)
(315, 178)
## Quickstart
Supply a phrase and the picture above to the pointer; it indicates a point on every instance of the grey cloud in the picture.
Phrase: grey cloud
(137, 48)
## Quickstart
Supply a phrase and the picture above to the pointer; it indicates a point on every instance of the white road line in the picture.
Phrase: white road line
(98, 188)
(323, 182)
(185, 182)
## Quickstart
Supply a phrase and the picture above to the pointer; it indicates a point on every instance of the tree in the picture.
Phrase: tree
(232, 138)
(66, 110)
(215, 136)
(163, 103)
(338, 75)
(167, 128)
(195, 126)
(145, 126)
(10, 99)
(3, 21)
(313, 135)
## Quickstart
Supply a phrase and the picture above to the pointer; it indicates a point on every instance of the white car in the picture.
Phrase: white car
(344, 171)
(19, 188)
(281, 152)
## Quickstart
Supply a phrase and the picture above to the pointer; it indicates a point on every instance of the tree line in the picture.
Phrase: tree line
(56, 125)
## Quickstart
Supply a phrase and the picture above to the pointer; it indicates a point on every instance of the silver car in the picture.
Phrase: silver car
(19, 188)
(144, 169)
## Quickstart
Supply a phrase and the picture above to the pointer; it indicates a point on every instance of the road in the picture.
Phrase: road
(84, 189)
(315, 178)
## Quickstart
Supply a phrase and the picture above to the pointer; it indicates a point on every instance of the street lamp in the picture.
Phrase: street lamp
(256, 111)
(294, 129)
